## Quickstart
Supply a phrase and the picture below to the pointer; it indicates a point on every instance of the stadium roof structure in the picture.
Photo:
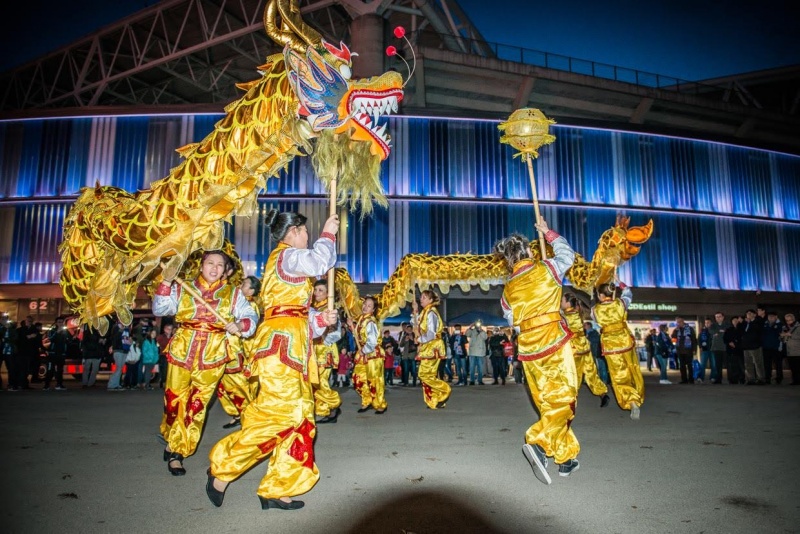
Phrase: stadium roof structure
(184, 56)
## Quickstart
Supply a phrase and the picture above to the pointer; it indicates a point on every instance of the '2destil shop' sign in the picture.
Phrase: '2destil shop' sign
(653, 306)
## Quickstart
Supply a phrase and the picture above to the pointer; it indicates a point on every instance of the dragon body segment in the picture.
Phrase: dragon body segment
(616, 245)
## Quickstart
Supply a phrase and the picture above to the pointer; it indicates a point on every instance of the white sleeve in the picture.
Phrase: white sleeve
(316, 323)
(372, 338)
(166, 305)
(508, 313)
(315, 261)
(430, 333)
(626, 297)
(334, 335)
(564, 256)
(243, 311)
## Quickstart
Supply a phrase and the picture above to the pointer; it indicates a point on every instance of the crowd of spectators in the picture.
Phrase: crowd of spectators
(751, 349)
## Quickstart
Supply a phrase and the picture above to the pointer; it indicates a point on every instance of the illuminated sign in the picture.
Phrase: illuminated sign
(652, 306)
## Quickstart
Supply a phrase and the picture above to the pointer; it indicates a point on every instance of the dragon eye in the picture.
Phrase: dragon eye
(344, 70)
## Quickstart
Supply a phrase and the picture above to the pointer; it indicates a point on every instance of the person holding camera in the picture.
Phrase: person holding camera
(476, 337)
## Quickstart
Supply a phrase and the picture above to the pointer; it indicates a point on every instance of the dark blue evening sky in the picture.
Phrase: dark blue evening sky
(688, 39)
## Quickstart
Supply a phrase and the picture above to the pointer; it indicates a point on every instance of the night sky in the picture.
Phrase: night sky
(688, 39)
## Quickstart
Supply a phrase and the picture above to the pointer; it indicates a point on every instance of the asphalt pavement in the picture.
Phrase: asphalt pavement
(702, 459)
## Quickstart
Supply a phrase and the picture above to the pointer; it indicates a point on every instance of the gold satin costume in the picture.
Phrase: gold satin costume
(279, 422)
(371, 364)
(434, 390)
(619, 349)
(236, 390)
(584, 362)
(197, 355)
(533, 296)
(326, 399)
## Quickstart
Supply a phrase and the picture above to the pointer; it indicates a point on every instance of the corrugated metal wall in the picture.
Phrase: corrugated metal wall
(726, 217)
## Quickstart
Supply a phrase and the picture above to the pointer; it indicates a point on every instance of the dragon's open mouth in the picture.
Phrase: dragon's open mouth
(367, 107)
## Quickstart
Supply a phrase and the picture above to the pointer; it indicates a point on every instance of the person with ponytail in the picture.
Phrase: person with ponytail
(619, 346)
(326, 352)
(199, 351)
(368, 375)
(235, 390)
(428, 328)
(572, 310)
(531, 302)
(279, 422)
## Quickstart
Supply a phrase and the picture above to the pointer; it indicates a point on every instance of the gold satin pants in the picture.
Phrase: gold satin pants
(279, 422)
(626, 375)
(361, 385)
(377, 383)
(553, 382)
(586, 369)
(186, 397)
(235, 392)
(325, 399)
(434, 390)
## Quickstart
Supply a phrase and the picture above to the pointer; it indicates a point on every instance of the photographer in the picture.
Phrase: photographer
(476, 338)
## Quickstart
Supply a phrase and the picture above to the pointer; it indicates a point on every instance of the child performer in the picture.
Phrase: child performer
(235, 390)
(619, 346)
(572, 310)
(326, 400)
(368, 372)
(279, 422)
(199, 351)
(428, 325)
(531, 302)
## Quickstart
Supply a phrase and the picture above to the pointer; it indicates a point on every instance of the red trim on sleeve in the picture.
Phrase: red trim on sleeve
(552, 269)
(164, 289)
(551, 236)
(245, 324)
(328, 235)
(320, 321)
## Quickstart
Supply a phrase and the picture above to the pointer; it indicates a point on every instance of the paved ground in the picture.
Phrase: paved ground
(704, 458)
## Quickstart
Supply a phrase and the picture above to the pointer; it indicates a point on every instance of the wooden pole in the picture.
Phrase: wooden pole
(542, 248)
(332, 272)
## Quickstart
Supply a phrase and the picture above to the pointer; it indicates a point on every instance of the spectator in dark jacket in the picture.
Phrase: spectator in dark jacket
(458, 348)
(594, 345)
(499, 361)
(93, 352)
(663, 349)
(771, 347)
(735, 356)
(717, 330)
(56, 354)
(750, 330)
(685, 345)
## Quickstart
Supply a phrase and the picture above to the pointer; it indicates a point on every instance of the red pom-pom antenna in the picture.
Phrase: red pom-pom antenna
(400, 33)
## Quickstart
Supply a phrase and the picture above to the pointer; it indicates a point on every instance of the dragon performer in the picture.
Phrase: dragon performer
(304, 103)
(616, 245)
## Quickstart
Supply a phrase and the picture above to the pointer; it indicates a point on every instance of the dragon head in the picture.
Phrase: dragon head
(331, 100)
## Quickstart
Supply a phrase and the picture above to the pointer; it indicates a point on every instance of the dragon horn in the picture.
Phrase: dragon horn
(293, 32)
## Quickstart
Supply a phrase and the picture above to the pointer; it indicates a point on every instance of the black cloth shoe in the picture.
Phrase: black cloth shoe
(167, 454)
(214, 495)
(236, 422)
(266, 504)
(364, 409)
(176, 471)
(604, 400)
(566, 469)
(538, 460)
(380, 412)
